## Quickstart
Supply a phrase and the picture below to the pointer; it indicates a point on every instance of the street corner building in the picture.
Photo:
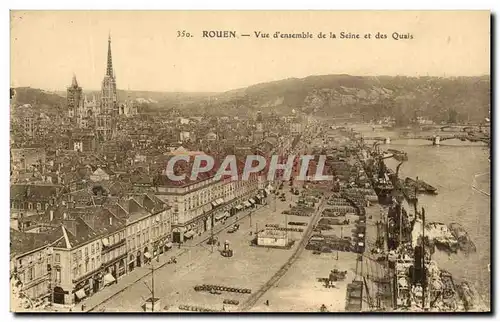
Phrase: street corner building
(66, 253)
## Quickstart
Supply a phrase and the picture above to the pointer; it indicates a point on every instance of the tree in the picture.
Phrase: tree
(452, 116)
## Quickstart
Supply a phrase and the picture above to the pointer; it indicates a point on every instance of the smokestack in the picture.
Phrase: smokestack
(110, 220)
(51, 215)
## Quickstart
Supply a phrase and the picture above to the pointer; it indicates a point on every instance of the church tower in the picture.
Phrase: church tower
(73, 99)
(109, 102)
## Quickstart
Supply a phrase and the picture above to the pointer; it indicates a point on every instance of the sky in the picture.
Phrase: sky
(48, 47)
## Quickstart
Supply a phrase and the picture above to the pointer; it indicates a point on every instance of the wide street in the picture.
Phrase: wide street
(250, 267)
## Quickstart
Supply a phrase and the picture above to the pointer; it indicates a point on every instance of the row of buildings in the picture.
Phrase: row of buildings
(71, 239)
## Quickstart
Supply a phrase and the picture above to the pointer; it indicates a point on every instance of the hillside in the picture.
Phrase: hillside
(35, 96)
(441, 99)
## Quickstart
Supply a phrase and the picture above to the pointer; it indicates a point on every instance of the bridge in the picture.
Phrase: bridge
(435, 139)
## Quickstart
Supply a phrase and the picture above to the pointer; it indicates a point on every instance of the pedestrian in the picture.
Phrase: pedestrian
(83, 307)
(267, 302)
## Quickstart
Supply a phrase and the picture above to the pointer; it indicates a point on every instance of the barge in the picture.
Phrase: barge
(464, 242)
(421, 186)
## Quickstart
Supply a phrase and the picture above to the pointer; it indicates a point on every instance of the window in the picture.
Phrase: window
(30, 206)
(80, 269)
(92, 266)
(86, 267)
(86, 251)
(98, 259)
(38, 206)
(80, 254)
(92, 249)
(58, 275)
(30, 274)
(57, 258)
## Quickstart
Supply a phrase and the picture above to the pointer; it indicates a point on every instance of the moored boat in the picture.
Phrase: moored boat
(422, 187)
(464, 242)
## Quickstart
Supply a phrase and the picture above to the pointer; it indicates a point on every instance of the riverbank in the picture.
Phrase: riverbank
(451, 168)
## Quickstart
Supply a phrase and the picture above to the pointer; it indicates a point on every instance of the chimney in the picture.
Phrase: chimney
(51, 215)
(110, 220)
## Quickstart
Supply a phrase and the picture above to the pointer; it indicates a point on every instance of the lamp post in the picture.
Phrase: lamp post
(152, 289)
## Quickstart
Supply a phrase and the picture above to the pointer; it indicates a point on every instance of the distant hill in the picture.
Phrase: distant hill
(441, 99)
(462, 98)
(35, 96)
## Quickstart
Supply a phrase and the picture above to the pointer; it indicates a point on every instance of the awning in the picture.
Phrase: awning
(220, 201)
(247, 204)
(227, 214)
(220, 216)
(147, 255)
(207, 208)
(239, 207)
(105, 242)
(252, 201)
(214, 203)
(189, 234)
(80, 294)
(108, 278)
(168, 245)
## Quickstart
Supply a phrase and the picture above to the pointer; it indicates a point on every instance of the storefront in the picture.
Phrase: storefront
(252, 202)
(108, 279)
(80, 295)
(220, 216)
(147, 256)
(131, 263)
(189, 234)
(121, 268)
(83, 288)
(176, 235)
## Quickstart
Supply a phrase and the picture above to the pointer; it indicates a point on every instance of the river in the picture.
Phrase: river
(461, 173)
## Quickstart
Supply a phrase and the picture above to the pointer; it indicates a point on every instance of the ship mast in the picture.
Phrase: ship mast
(423, 259)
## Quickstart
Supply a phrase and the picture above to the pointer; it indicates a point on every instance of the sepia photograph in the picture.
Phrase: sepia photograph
(250, 161)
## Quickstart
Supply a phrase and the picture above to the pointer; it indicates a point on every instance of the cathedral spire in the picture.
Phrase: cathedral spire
(74, 83)
(109, 69)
